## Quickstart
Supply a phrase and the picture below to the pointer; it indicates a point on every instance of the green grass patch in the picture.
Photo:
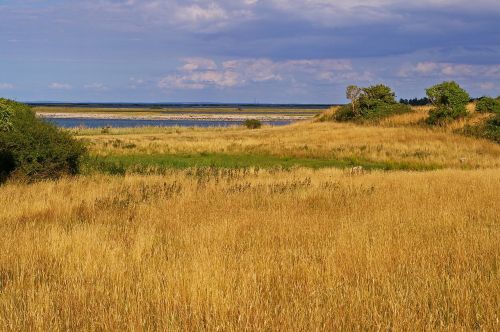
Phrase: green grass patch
(156, 163)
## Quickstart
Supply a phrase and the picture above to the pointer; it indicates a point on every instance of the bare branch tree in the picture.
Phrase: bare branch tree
(352, 93)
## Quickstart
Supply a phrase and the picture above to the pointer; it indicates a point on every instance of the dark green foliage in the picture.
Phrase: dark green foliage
(416, 101)
(32, 149)
(345, 113)
(375, 94)
(492, 128)
(489, 130)
(371, 104)
(252, 124)
(5, 115)
(449, 101)
(488, 105)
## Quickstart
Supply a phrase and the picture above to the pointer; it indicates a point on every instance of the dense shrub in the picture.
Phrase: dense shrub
(369, 104)
(490, 129)
(252, 124)
(488, 105)
(449, 101)
(33, 149)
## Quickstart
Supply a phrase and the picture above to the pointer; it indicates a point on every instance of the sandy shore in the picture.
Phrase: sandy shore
(203, 117)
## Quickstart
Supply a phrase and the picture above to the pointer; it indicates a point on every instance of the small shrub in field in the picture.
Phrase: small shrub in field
(33, 149)
(449, 101)
(370, 104)
(489, 130)
(105, 130)
(488, 105)
(492, 128)
(345, 113)
(252, 124)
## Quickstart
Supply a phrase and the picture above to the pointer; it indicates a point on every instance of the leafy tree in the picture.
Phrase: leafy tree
(377, 94)
(449, 101)
(370, 103)
(488, 105)
(31, 148)
(5, 114)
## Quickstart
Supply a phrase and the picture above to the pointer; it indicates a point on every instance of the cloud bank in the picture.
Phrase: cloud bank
(276, 50)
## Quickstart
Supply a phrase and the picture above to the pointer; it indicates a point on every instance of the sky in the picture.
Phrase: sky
(244, 51)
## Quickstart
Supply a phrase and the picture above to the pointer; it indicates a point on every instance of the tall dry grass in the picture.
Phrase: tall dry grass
(252, 250)
(311, 140)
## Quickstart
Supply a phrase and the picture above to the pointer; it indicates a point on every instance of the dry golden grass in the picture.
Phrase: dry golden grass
(252, 250)
(313, 140)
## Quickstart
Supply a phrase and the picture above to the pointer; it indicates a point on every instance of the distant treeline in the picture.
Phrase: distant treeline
(416, 101)
(425, 101)
(180, 105)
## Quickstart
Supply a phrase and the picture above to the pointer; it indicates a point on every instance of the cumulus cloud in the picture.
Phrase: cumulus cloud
(487, 86)
(192, 64)
(436, 69)
(271, 46)
(59, 86)
(216, 14)
(201, 80)
(6, 86)
(195, 13)
(200, 73)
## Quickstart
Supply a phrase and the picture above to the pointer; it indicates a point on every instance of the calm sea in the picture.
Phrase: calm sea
(127, 123)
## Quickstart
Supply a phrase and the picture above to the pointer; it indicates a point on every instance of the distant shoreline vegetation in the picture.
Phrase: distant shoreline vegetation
(181, 105)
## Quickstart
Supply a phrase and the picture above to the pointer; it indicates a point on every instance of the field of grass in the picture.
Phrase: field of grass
(269, 229)
(330, 143)
(253, 249)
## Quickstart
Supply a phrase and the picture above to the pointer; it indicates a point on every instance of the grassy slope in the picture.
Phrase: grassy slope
(397, 143)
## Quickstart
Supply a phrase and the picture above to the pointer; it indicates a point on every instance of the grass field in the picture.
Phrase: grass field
(382, 146)
(269, 229)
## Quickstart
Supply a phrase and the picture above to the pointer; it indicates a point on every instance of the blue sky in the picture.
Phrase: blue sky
(278, 51)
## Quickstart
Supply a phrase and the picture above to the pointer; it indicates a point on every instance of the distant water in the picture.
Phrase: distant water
(127, 123)
(159, 106)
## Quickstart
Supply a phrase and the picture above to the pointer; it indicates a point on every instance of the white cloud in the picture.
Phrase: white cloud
(433, 69)
(195, 13)
(6, 86)
(192, 64)
(59, 86)
(200, 73)
(487, 86)
(201, 80)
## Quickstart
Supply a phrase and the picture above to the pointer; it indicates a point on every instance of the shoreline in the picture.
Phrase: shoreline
(200, 117)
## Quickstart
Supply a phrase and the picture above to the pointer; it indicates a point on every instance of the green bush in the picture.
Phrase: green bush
(370, 104)
(33, 149)
(489, 130)
(488, 105)
(345, 113)
(449, 101)
(252, 124)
